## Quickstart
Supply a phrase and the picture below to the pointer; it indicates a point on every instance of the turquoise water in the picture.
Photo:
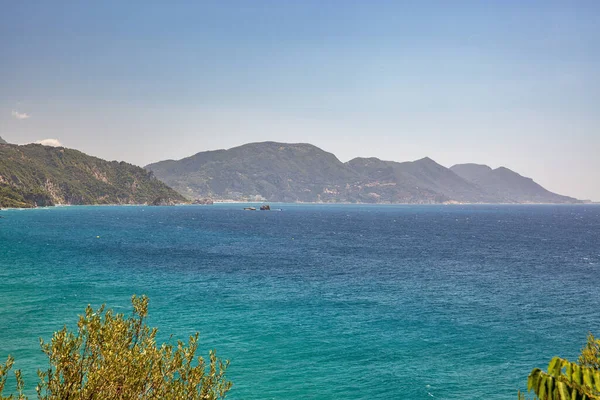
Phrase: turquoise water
(320, 301)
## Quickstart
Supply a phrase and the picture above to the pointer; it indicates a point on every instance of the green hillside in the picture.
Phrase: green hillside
(36, 175)
(302, 172)
(270, 171)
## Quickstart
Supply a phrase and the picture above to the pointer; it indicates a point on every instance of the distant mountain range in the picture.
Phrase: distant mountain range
(2, 141)
(36, 175)
(285, 172)
(502, 183)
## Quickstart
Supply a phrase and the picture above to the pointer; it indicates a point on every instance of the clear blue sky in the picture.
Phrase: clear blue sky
(512, 83)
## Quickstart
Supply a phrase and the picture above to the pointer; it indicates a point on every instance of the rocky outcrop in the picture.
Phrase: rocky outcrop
(205, 201)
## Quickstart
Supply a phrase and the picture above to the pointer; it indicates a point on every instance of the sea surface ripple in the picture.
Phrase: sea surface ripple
(319, 301)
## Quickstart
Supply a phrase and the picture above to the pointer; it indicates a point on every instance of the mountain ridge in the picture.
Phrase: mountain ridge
(36, 175)
(302, 172)
(507, 184)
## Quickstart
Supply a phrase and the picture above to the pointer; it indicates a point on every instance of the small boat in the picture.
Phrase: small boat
(265, 207)
(250, 208)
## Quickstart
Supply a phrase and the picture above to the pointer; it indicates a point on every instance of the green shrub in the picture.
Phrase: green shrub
(111, 356)
(565, 380)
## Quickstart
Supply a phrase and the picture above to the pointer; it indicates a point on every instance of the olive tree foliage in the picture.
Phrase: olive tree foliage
(566, 380)
(4, 369)
(112, 356)
(590, 354)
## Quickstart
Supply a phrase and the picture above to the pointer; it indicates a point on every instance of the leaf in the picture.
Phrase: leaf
(563, 391)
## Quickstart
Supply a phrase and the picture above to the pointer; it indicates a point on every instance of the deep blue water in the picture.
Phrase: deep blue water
(320, 301)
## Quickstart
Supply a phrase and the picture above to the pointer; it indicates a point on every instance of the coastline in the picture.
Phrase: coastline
(223, 202)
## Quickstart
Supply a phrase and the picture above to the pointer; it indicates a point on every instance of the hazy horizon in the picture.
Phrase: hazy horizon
(502, 84)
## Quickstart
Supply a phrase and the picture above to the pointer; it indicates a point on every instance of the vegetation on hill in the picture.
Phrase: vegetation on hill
(256, 171)
(302, 172)
(36, 175)
(111, 356)
(414, 181)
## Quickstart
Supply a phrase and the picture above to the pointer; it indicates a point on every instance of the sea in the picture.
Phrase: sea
(319, 301)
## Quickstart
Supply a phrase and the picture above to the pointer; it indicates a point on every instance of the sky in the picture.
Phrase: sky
(502, 83)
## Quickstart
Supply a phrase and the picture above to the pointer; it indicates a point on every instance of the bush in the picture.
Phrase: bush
(590, 354)
(116, 357)
(565, 380)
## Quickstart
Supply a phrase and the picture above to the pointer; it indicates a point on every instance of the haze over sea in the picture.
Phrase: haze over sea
(320, 301)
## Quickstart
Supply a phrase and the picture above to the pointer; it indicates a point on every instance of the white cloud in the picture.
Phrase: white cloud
(19, 115)
(50, 142)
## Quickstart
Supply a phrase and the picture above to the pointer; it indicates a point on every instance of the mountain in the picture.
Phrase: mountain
(508, 186)
(36, 175)
(471, 172)
(418, 181)
(2, 141)
(271, 171)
